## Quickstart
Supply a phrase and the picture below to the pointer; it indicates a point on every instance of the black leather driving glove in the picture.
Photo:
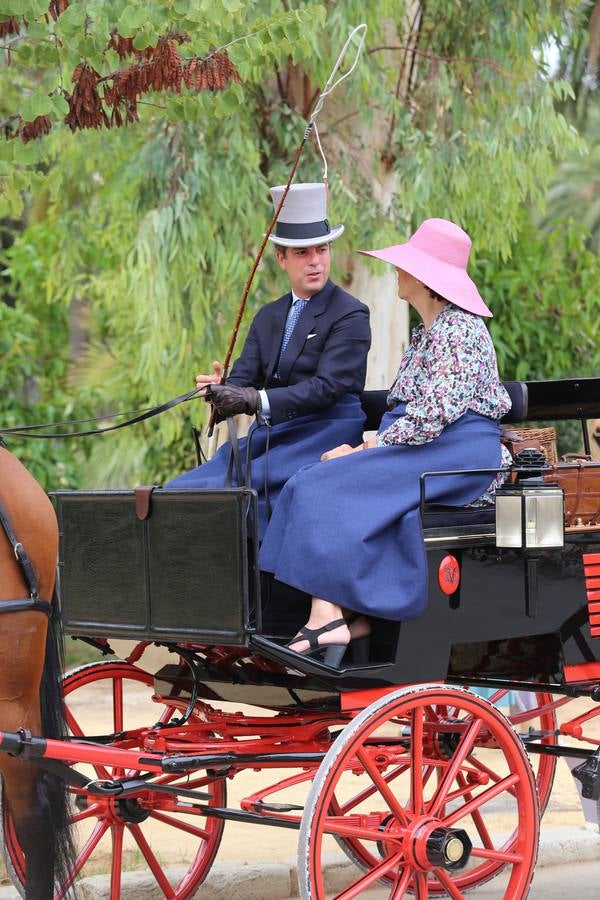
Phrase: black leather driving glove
(230, 400)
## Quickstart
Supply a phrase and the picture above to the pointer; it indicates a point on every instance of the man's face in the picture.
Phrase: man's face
(307, 268)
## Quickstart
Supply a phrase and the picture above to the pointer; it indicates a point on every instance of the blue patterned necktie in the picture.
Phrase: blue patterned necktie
(292, 320)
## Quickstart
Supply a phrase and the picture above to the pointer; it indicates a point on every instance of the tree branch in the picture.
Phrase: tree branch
(5, 122)
(413, 41)
(492, 63)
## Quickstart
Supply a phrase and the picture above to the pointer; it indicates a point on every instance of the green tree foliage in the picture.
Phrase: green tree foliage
(152, 228)
(545, 304)
(575, 188)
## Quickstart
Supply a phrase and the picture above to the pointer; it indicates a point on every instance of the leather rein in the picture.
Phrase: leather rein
(33, 602)
(19, 604)
(137, 415)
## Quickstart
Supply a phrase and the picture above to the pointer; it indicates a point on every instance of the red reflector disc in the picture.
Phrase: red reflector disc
(449, 575)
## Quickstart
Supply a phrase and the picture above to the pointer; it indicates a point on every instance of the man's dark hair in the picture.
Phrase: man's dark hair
(283, 250)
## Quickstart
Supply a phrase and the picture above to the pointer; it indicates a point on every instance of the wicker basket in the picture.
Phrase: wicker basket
(546, 438)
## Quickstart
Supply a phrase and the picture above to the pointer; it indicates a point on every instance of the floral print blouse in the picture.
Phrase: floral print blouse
(447, 370)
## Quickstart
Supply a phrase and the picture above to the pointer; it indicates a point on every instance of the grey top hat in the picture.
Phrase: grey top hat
(302, 221)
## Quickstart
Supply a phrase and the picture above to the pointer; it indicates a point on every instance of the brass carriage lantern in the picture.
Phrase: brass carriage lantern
(530, 512)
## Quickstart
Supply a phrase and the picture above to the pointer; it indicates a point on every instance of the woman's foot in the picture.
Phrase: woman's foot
(312, 637)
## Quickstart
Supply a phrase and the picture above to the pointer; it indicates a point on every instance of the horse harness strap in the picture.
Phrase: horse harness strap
(22, 603)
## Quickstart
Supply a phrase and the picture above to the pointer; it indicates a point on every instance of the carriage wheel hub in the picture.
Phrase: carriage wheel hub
(129, 810)
(448, 848)
(434, 846)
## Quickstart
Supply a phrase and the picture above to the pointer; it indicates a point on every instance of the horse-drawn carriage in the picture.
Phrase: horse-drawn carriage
(429, 787)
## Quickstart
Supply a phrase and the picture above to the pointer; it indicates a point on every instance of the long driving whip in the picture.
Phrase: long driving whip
(329, 87)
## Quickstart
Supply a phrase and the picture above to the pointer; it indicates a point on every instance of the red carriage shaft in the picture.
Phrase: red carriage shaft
(21, 743)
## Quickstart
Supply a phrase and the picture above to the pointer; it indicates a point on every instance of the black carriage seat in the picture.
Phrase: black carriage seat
(374, 404)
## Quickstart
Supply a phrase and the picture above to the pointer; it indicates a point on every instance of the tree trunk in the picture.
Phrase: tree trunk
(389, 314)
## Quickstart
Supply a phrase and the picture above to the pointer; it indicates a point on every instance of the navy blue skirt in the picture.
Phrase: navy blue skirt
(292, 445)
(349, 530)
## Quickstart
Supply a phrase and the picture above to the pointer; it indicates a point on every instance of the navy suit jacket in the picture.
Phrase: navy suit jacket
(325, 359)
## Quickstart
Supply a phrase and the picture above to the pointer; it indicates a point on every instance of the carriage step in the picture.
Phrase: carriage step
(260, 806)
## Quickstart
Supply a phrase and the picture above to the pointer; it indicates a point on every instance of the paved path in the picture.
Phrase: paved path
(568, 864)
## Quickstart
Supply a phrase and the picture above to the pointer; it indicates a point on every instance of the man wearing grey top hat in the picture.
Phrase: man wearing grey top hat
(303, 364)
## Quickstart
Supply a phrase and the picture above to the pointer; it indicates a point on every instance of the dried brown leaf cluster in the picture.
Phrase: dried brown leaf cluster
(13, 24)
(159, 68)
(57, 7)
(36, 129)
(85, 106)
(112, 100)
(124, 47)
(10, 26)
(212, 74)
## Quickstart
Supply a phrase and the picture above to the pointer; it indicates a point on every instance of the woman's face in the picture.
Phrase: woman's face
(408, 285)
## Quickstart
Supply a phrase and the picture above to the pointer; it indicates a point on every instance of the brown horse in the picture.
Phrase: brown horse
(30, 670)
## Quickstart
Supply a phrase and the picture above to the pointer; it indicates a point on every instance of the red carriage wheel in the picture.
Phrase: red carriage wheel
(427, 782)
(149, 833)
(534, 716)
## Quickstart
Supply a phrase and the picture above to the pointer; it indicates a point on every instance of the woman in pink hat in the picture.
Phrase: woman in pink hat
(347, 531)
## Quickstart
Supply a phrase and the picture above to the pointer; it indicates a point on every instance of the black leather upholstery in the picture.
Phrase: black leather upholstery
(449, 516)
(374, 404)
(518, 393)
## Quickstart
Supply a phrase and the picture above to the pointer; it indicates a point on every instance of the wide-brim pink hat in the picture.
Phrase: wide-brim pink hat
(437, 254)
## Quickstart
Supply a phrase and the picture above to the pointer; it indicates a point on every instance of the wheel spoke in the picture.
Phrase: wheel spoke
(368, 792)
(459, 756)
(498, 695)
(480, 799)
(401, 884)
(117, 705)
(416, 771)
(476, 816)
(86, 813)
(182, 826)
(500, 855)
(337, 825)
(82, 857)
(447, 882)
(371, 877)
(487, 771)
(381, 784)
(117, 861)
(537, 712)
(153, 863)
(420, 884)
(72, 722)
(77, 731)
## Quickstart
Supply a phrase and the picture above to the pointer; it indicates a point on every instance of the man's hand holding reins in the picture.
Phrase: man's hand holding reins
(202, 381)
(230, 400)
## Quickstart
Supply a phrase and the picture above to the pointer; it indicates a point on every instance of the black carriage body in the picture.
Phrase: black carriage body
(482, 632)
(188, 573)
